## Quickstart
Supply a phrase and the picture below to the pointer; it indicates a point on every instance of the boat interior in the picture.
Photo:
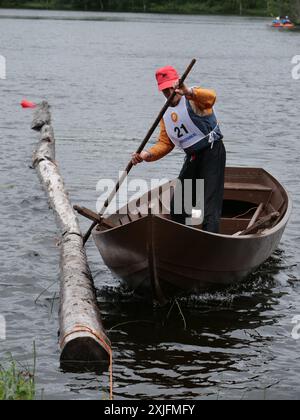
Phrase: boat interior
(250, 195)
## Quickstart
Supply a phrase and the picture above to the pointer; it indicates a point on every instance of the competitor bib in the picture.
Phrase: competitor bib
(181, 129)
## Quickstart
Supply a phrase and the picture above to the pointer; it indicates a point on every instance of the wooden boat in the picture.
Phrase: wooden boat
(289, 26)
(152, 253)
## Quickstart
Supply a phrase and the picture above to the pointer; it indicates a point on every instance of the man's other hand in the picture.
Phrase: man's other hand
(139, 158)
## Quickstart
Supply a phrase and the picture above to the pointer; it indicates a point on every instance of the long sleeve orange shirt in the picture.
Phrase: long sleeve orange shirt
(202, 104)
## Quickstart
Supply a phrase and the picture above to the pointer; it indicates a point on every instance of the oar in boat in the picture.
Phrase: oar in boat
(139, 150)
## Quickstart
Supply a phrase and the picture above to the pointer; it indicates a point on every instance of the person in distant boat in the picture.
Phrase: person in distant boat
(191, 124)
(284, 20)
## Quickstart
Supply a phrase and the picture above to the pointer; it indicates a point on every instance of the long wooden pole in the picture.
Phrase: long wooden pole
(139, 150)
(82, 337)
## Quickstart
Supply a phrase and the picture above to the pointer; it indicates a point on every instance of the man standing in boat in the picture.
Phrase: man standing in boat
(191, 124)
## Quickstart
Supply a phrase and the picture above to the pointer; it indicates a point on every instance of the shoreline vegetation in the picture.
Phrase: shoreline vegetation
(221, 7)
(17, 382)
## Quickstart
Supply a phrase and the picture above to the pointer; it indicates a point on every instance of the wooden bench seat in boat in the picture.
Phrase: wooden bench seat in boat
(244, 191)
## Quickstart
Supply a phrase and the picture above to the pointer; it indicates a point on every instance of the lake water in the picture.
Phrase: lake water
(97, 71)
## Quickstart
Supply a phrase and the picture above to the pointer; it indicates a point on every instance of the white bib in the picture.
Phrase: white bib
(181, 129)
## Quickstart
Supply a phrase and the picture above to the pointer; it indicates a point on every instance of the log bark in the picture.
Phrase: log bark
(82, 337)
(41, 116)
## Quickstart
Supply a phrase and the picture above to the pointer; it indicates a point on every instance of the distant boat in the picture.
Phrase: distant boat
(283, 23)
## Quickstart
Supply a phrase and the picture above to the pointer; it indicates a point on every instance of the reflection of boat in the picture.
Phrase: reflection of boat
(283, 23)
(150, 251)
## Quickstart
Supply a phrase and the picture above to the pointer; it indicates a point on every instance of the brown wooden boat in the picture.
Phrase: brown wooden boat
(150, 252)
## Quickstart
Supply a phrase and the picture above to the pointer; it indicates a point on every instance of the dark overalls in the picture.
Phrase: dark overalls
(205, 160)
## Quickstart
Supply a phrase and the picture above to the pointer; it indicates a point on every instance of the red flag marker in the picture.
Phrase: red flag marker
(28, 104)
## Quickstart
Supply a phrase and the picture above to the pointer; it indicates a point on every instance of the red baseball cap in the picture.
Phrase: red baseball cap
(166, 77)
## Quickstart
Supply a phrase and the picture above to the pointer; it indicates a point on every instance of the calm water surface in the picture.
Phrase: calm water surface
(97, 72)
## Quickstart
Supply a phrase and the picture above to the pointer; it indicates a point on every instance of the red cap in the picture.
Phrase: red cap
(166, 77)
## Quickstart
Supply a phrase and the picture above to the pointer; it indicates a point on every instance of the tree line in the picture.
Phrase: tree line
(255, 7)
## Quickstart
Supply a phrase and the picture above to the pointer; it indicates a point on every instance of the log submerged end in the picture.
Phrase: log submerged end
(83, 349)
(83, 339)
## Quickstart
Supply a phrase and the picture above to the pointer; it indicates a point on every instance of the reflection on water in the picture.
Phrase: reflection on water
(200, 343)
(97, 71)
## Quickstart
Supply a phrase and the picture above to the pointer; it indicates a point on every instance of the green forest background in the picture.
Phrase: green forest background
(241, 7)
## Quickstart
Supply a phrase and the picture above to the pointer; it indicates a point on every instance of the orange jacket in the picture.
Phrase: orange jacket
(202, 104)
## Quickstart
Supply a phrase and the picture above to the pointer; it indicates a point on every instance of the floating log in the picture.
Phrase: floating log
(42, 116)
(82, 336)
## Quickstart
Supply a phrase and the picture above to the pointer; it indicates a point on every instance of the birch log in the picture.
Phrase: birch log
(82, 337)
